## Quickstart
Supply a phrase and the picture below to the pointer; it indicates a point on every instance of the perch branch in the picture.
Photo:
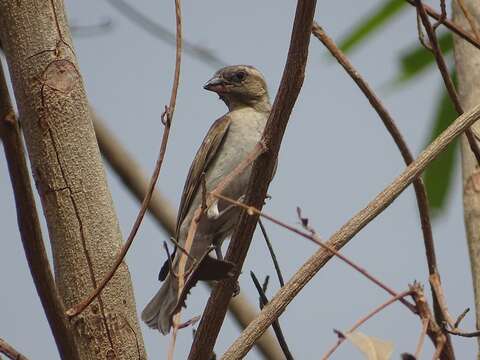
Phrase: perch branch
(131, 175)
(285, 295)
(262, 171)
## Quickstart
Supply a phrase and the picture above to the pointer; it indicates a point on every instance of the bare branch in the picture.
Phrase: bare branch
(78, 308)
(418, 185)
(469, 17)
(421, 339)
(442, 66)
(434, 331)
(131, 175)
(365, 319)
(272, 253)
(275, 324)
(9, 351)
(167, 121)
(29, 226)
(262, 172)
(449, 24)
(285, 295)
(312, 236)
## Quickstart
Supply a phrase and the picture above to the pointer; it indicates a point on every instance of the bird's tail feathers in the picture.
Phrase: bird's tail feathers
(158, 312)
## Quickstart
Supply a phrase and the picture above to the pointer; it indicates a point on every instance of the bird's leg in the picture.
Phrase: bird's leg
(218, 251)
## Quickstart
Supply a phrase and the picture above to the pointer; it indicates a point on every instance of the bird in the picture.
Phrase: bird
(229, 140)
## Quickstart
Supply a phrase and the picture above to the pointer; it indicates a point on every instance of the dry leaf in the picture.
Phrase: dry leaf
(372, 347)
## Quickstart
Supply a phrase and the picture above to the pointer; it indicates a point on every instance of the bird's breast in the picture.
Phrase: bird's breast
(245, 131)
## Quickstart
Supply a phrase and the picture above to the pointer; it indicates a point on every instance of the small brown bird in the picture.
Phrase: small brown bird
(230, 139)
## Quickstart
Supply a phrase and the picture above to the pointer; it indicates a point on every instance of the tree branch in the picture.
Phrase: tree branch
(132, 176)
(418, 185)
(286, 294)
(167, 117)
(276, 324)
(29, 226)
(10, 352)
(365, 319)
(69, 175)
(449, 24)
(262, 171)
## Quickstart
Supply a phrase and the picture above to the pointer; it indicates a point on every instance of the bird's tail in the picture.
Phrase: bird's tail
(158, 312)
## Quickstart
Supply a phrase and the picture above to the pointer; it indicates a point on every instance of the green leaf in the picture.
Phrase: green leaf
(418, 59)
(373, 22)
(439, 174)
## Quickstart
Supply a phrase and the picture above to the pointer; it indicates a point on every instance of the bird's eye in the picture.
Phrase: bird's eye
(239, 76)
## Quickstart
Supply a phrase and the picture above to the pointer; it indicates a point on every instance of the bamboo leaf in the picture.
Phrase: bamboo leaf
(417, 59)
(372, 23)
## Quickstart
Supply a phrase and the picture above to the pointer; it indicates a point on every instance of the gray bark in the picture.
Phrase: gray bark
(70, 178)
(467, 61)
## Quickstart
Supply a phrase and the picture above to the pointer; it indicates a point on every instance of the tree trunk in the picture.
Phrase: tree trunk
(68, 172)
(467, 61)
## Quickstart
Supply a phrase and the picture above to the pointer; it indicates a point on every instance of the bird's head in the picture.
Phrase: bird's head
(239, 86)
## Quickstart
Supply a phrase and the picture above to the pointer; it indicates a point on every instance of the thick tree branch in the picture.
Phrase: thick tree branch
(286, 294)
(69, 176)
(467, 59)
(262, 171)
(29, 226)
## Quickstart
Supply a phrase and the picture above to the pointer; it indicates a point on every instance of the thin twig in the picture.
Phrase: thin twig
(460, 317)
(364, 319)
(434, 330)
(316, 239)
(262, 171)
(272, 253)
(449, 24)
(130, 173)
(419, 187)
(421, 339)
(389, 122)
(78, 308)
(169, 116)
(276, 325)
(29, 226)
(308, 270)
(470, 18)
(9, 351)
(442, 66)
(451, 326)
(443, 15)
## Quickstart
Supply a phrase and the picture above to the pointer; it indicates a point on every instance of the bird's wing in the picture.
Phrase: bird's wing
(205, 154)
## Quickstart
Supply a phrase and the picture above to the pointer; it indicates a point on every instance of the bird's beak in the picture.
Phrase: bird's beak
(215, 84)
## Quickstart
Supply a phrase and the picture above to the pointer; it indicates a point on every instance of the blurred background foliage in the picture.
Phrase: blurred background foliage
(412, 64)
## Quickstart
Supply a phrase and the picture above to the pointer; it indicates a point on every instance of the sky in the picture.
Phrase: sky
(335, 157)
